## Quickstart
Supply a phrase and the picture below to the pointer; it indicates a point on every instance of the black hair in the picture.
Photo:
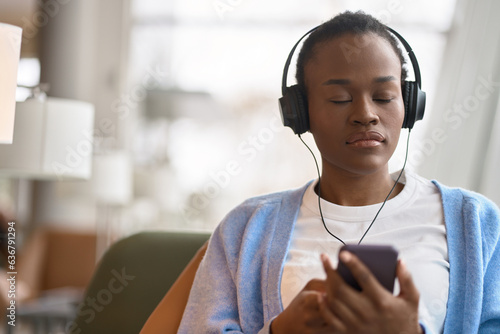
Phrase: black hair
(358, 23)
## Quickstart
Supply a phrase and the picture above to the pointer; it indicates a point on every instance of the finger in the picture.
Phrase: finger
(331, 274)
(327, 265)
(315, 284)
(333, 280)
(408, 290)
(343, 300)
(336, 287)
(329, 317)
(313, 318)
(329, 271)
(366, 280)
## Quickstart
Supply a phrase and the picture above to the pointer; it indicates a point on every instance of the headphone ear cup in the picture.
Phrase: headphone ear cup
(293, 110)
(414, 103)
(407, 97)
(420, 104)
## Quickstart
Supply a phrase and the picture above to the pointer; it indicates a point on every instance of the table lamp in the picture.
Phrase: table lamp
(53, 140)
(10, 49)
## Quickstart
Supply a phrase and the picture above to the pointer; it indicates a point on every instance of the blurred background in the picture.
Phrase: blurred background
(187, 124)
(187, 91)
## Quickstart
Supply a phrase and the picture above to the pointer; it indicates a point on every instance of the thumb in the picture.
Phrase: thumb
(408, 289)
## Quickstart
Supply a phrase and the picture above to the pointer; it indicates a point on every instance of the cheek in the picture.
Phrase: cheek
(393, 126)
(394, 116)
(323, 118)
(327, 129)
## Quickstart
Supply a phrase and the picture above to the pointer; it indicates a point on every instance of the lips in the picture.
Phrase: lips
(366, 136)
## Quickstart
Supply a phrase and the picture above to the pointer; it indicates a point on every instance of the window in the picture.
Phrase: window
(209, 134)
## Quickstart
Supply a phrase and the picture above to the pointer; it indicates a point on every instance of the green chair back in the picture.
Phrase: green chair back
(131, 279)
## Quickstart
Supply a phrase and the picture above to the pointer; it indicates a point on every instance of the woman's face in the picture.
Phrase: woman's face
(355, 104)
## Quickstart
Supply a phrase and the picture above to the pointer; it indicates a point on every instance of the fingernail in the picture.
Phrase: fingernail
(345, 256)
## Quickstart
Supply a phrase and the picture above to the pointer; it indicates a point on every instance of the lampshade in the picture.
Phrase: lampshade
(10, 48)
(52, 140)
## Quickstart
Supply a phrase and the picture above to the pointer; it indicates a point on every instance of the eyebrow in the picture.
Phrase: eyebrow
(347, 81)
(336, 82)
(384, 79)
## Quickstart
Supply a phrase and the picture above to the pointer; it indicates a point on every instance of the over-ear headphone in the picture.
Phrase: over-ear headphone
(293, 104)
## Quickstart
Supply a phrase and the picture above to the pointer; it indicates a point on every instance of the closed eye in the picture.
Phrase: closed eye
(340, 101)
(383, 100)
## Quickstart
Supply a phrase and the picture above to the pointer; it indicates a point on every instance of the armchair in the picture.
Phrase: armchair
(131, 279)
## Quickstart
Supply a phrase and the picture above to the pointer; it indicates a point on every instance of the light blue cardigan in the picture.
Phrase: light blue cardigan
(237, 287)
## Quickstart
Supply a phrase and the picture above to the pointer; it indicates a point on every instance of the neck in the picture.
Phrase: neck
(349, 189)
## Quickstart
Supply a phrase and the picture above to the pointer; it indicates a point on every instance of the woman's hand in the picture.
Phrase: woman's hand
(374, 309)
(303, 315)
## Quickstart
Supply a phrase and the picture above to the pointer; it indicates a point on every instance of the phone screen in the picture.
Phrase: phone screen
(381, 260)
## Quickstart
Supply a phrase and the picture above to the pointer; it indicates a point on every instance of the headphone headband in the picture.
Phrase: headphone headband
(411, 54)
(289, 60)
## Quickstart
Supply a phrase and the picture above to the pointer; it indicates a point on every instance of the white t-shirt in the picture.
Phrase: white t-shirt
(412, 222)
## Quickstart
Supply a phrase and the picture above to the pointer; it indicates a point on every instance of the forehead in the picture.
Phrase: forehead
(353, 55)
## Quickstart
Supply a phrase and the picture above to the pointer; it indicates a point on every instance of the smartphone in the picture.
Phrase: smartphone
(380, 259)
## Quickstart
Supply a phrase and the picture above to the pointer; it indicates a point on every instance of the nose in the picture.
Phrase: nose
(364, 113)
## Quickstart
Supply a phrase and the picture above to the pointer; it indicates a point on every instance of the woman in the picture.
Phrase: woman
(263, 272)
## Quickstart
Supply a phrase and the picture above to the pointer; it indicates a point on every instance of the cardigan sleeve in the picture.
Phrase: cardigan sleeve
(210, 307)
(230, 290)
(473, 231)
(490, 315)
